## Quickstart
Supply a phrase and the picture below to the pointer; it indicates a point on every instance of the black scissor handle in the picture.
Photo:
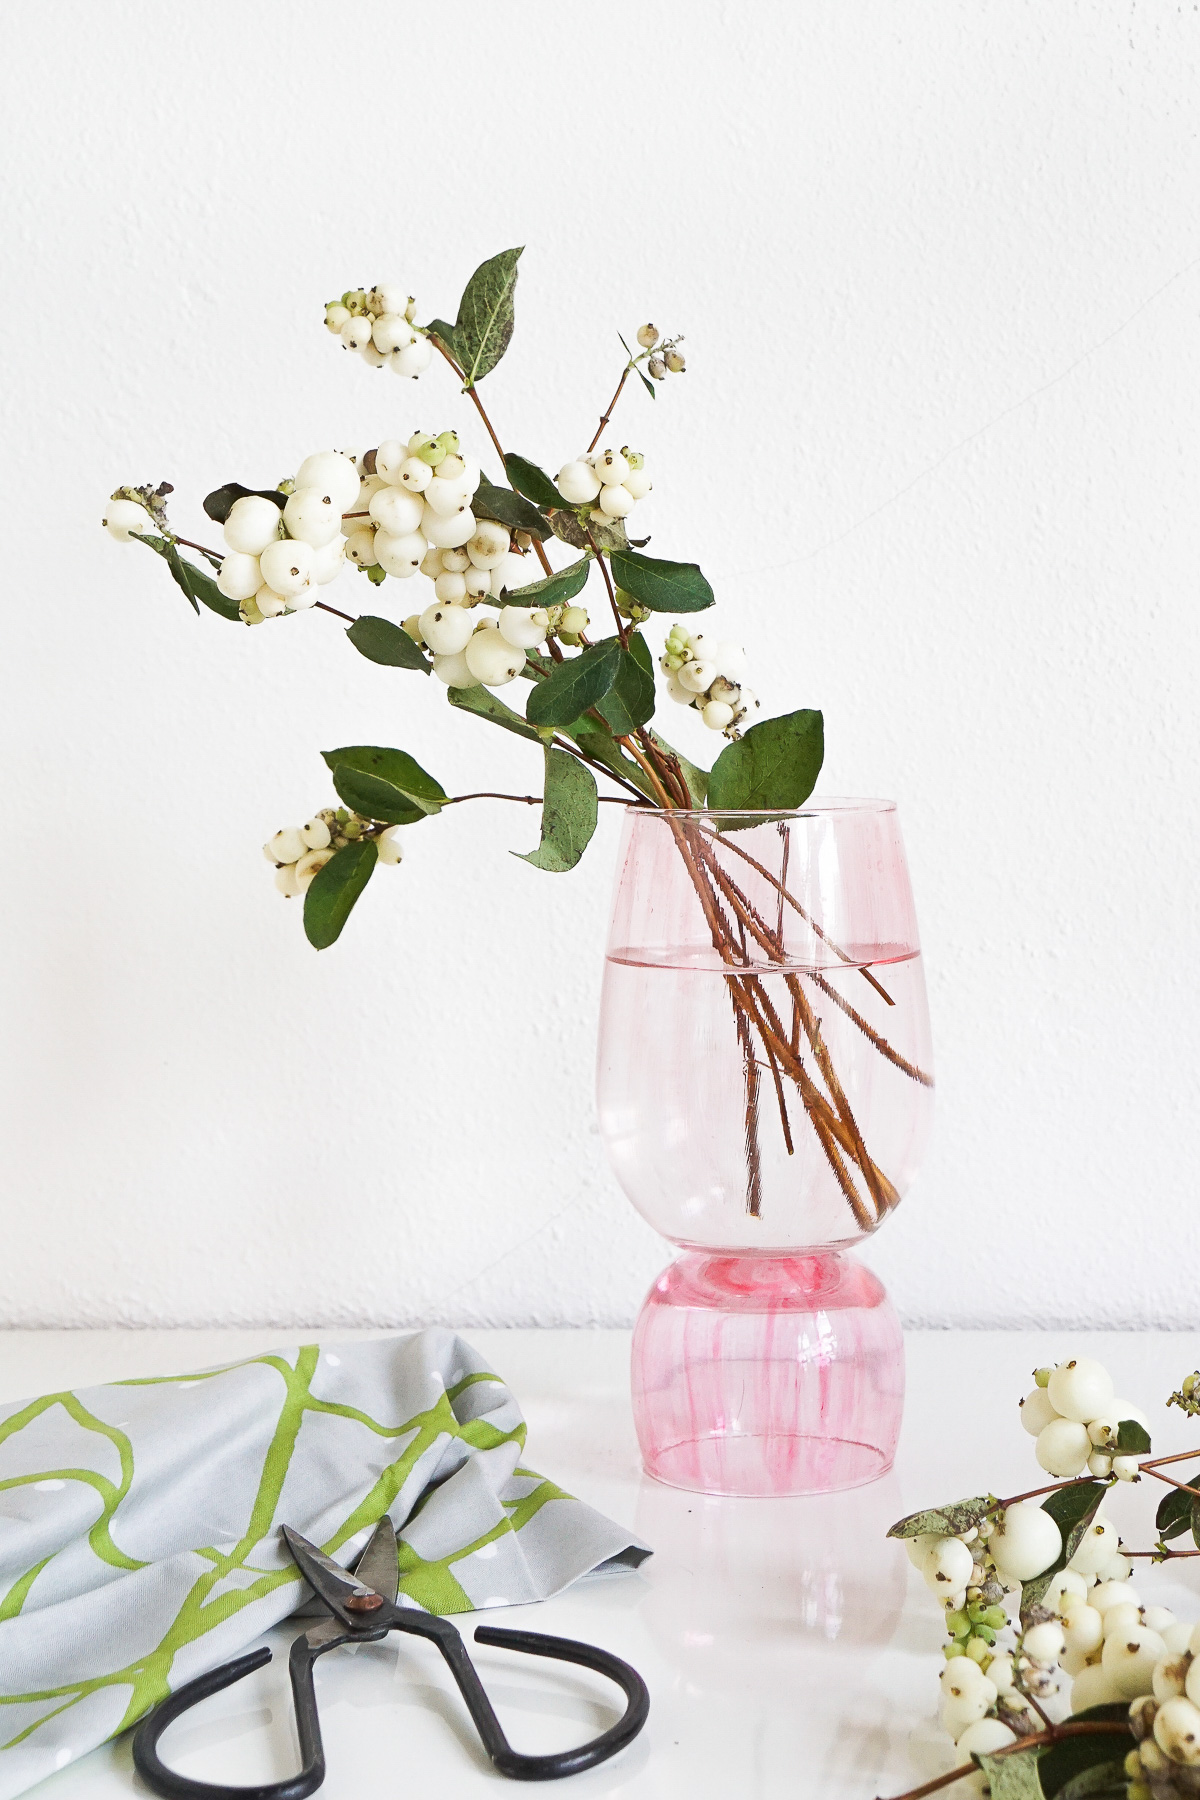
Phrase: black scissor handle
(569, 1762)
(173, 1786)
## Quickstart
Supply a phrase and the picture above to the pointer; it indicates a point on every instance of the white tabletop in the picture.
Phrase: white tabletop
(787, 1647)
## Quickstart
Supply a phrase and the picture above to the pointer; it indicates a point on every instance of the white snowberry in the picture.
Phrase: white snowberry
(1083, 1628)
(1063, 1447)
(1096, 1546)
(121, 517)
(1177, 1731)
(985, 1736)
(1036, 1411)
(1000, 1673)
(449, 533)
(390, 297)
(239, 577)
(288, 845)
(1062, 1588)
(488, 546)
(492, 660)
(306, 596)
(1081, 1389)
(329, 560)
(523, 626)
(412, 359)
(269, 603)
(311, 517)
(1092, 1687)
(360, 549)
(1044, 1642)
(1112, 1593)
(401, 556)
(717, 714)
(454, 672)
(334, 473)
(510, 573)
(1025, 1542)
(252, 524)
(964, 1710)
(447, 629)
(316, 833)
(1125, 1468)
(1129, 1658)
(413, 474)
(286, 566)
(637, 483)
(285, 881)
(961, 1676)
(616, 502)
(697, 676)
(1170, 1675)
(390, 458)
(356, 333)
(443, 498)
(388, 844)
(578, 483)
(310, 866)
(610, 466)
(391, 332)
(396, 510)
(477, 582)
(948, 1568)
(450, 586)
(1099, 1464)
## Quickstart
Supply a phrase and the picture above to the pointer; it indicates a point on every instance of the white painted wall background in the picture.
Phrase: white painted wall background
(939, 271)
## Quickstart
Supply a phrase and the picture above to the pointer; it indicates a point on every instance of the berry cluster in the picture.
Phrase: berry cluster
(1074, 1417)
(1166, 1763)
(277, 559)
(468, 651)
(708, 676)
(667, 358)
(300, 852)
(614, 479)
(377, 322)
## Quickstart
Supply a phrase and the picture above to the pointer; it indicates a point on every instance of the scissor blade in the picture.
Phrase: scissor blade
(378, 1566)
(329, 1582)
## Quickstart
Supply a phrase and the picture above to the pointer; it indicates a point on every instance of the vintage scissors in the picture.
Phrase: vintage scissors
(361, 1609)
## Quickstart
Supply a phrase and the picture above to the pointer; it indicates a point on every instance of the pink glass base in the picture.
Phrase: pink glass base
(760, 1375)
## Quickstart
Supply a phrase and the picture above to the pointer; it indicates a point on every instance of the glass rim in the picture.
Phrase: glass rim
(835, 806)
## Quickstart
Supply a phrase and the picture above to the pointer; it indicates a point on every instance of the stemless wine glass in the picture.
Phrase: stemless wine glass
(765, 1097)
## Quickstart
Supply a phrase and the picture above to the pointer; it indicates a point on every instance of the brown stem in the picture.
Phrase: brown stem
(611, 407)
(880, 1043)
(1163, 1555)
(639, 799)
(1179, 1456)
(1052, 1735)
(202, 548)
(323, 606)
(841, 954)
(753, 1151)
(1170, 1480)
(622, 627)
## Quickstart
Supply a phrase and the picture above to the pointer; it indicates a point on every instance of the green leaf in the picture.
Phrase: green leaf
(533, 482)
(697, 779)
(382, 642)
(552, 590)
(575, 685)
(629, 702)
(948, 1521)
(485, 705)
(1104, 1781)
(507, 508)
(773, 768)
(1132, 1439)
(387, 785)
(595, 742)
(1072, 1509)
(485, 316)
(568, 526)
(648, 385)
(198, 585)
(1065, 1764)
(334, 889)
(219, 503)
(1177, 1513)
(438, 328)
(1012, 1777)
(662, 586)
(569, 809)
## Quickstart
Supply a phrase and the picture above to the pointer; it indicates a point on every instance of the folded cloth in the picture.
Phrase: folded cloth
(139, 1522)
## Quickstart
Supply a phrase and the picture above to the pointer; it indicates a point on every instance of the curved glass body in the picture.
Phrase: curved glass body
(764, 1055)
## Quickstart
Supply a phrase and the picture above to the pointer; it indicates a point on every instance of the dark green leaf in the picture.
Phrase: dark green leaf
(569, 809)
(629, 702)
(486, 705)
(696, 778)
(1067, 1761)
(648, 385)
(553, 590)
(575, 685)
(334, 889)
(1012, 1777)
(595, 742)
(568, 526)
(387, 785)
(1174, 1514)
(1132, 1439)
(1107, 1781)
(533, 482)
(507, 508)
(198, 585)
(438, 328)
(485, 316)
(382, 642)
(948, 1521)
(218, 504)
(1072, 1509)
(773, 768)
(661, 586)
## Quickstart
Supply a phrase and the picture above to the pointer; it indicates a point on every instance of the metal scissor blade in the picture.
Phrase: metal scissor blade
(330, 1583)
(378, 1566)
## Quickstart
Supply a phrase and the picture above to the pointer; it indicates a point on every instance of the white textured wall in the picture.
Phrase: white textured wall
(939, 271)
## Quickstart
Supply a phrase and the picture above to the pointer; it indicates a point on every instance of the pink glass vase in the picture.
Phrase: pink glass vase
(765, 1097)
